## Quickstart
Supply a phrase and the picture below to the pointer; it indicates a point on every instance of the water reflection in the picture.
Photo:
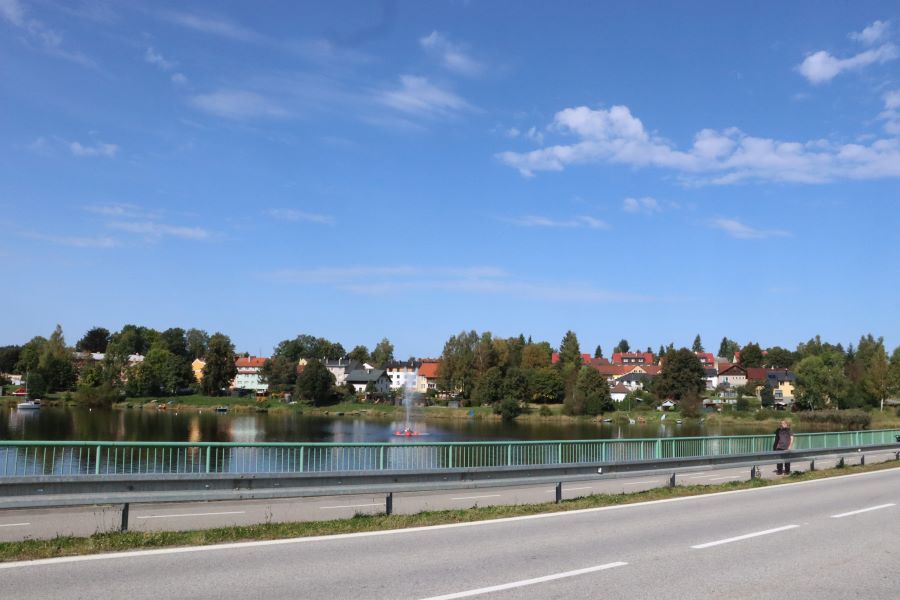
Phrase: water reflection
(50, 423)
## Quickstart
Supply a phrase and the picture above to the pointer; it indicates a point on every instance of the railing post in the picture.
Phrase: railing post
(389, 504)
(559, 492)
(658, 450)
(302, 448)
(509, 455)
(559, 453)
(381, 458)
(450, 455)
(97, 462)
(207, 458)
(124, 525)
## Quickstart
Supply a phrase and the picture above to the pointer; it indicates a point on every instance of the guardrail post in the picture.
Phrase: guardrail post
(124, 525)
(862, 459)
(840, 464)
(389, 504)
(559, 492)
(812, 465)
(672, 480)
(754, 472)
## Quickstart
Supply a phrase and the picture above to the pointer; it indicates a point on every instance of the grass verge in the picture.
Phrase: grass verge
(135, 540)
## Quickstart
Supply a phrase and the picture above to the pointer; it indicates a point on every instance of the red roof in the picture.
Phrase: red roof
(429, 368)
(706, 358)
(631, 358)
(756, 373)
(586, 358)
(251, 361)
(619, 389)
(613, 369)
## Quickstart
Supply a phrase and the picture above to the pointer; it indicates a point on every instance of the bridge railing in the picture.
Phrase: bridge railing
(37, 458)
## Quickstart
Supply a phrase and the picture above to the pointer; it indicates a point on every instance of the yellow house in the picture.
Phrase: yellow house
(197, 367)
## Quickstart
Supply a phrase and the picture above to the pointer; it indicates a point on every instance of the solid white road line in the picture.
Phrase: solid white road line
(476, 497)
(353, 505)
(432, 528)
(14, 524)
(746, 536)
(862, 510)
(209, 514)
(524, 582)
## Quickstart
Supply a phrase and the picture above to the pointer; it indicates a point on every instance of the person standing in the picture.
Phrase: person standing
(784, 440)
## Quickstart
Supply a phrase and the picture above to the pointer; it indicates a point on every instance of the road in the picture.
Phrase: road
(82, 521)
(824, 539)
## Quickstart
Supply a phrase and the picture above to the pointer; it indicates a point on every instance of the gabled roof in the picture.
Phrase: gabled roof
(613, 370)
(429, 369)
(250, 361)
(586, 358)
(365, 375)
(733, 370)
(619, 358)
(756, 374)
(619, 389)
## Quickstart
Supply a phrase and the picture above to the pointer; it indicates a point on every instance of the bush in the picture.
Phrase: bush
(508, 409)
(851, 419)
(102, 396)
(545, 411)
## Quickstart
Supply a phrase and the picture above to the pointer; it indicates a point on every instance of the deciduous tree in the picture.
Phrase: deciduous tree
(94, 340)
(220, 370)
(681, 375)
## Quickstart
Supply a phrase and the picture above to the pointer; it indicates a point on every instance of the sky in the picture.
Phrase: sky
(359, 170)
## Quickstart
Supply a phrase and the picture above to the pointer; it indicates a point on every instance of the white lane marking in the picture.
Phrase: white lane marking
(524, 582)
(427, 528)
(14, 524)
(641, 482)
(476, 497)
(862, 510)
(746, 536)
(209, 514)
(353, 505)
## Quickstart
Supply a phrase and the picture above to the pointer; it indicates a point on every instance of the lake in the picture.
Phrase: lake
(69, 423)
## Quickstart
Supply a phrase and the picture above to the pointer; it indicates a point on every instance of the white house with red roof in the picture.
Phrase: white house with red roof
(632, 358)
(249, 374)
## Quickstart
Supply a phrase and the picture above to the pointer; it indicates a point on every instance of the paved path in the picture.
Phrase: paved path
(82, 521)
(823, 539)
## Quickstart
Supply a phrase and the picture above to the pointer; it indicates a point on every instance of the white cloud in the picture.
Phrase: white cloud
(156, 58)
(98, 149)
(213, 25)
(379, 280)
(117, 209)
(50, 40)
(237, 104)
(821, 67)
(615, 136)
(646, 205)
(290, 214)
(101, 242)
(179, 78)
(740, 231)
(575, 222)
(154, 229)
(891, 112)
(452, 56)
(417, 95)
(872, 34)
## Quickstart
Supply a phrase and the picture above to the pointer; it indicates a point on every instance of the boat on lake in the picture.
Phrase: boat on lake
(29, 405)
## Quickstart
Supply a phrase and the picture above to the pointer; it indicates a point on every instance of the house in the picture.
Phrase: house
(618, 392)
(369, 380)
(632, 358)
(586, 358)
(427, 377)
(711, 376)
(734, 376)
(403, 375)
(249, 374)
(197, 367)
(612, 372)
(706, 359)
(13, 378)
(780, 380)
(340, 368)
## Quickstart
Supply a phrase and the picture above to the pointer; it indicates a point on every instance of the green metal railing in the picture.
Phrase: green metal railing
(32, 458)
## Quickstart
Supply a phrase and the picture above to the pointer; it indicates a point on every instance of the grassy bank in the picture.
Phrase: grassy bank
(133, 540)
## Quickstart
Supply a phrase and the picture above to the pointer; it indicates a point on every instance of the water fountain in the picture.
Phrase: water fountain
(408, 397)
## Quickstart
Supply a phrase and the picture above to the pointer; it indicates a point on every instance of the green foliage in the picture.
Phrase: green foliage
(280, 373)
(315, 383)
(458, 373)
(767, 397)
(56, 363)
(545, 411)
(490, 387)
(821, 381)
(536, 356)
(622, 346)
(359, 354)
(9, 356)
(509, 409)
(851, 419)
(598, 352)
(95, 340)
(197, 342)
(546, 385)
(751, 356)
(779, 358)
(30, 354)
(309, 347)
(161, 373)
(220, 370)
(728, 348)
(681, 375)
(132, 339)
(102, 396)
(591, 395)
(515, 385)
(569, 351)
(37, 385)
(743, 403)
(175, 341)
(698, 344)
(690, 404)
(383, 353)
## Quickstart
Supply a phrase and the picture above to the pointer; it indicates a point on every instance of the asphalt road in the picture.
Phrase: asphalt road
(82, 521)
(824, 539)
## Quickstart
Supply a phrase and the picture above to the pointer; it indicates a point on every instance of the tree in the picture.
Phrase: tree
(767, 397)
(174, 340)
(220, 370)
(569, 350)
(310, 347)
(598, 352)
(490, 387)
(751, 356)
(591, 395)
(698, 345)
(132, 339)
(681, 375)
(879, 381)
(546, 385)
(197, 341)
(728, 348)
(359, 354)
(383, 353)
(779, 358)
(161, 373)
(30, 354)
(36, 385)
(622, 346)
(9, 356)
(280, 373)
(515, 385)
(821, 381)
(536, 356)
(315, 383)
(95, 340)
(485, 354)
(458, 373)
(56, 364)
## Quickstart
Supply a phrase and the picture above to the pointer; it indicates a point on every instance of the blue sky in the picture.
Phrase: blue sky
(409, 170)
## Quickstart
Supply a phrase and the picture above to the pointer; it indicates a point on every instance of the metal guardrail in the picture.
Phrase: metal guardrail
(65, 458)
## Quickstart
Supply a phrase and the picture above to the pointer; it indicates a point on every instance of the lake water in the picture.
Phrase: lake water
(52, 423)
